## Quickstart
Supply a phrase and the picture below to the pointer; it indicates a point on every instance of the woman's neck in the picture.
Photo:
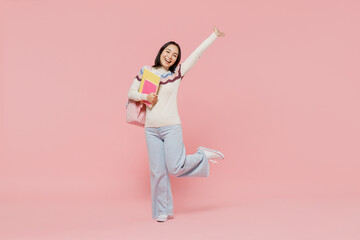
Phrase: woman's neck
(161, 68)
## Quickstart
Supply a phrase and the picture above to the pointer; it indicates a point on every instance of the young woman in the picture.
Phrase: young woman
(166, 151)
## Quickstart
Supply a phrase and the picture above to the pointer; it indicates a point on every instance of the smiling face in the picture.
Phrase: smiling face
(168, 56)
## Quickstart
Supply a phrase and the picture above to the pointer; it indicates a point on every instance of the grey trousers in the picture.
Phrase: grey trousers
(166, 153)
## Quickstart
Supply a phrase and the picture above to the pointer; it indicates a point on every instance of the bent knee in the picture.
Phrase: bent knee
(175, 171)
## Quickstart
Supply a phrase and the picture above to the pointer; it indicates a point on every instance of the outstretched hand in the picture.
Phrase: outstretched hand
(218, 33)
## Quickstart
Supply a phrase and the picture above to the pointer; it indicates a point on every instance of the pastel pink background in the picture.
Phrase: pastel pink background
(282, 103)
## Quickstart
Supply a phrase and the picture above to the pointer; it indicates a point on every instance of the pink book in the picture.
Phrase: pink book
(148, 87)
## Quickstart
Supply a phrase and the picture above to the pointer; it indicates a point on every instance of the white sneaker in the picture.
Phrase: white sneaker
(162, 218)
(212, 155)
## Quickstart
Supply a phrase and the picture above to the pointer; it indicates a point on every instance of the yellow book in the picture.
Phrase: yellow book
(149, 83)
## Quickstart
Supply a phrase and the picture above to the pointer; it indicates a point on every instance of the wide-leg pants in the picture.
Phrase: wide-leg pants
(166, 153)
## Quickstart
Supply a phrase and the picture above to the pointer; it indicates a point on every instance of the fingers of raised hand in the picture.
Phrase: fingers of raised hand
(218, 33)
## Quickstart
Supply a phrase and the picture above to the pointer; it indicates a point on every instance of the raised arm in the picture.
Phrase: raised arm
(195, 55)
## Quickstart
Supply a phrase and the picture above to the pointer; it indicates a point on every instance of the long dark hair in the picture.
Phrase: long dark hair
(157, 59)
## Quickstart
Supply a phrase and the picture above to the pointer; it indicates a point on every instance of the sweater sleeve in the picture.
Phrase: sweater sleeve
(195, 55)
(133, 93)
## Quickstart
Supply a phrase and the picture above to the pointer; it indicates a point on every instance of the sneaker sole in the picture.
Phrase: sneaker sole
(165, 219)
(160, 221)
(213, 151)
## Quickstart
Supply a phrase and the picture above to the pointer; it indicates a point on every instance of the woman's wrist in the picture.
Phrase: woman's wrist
(144, 96)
